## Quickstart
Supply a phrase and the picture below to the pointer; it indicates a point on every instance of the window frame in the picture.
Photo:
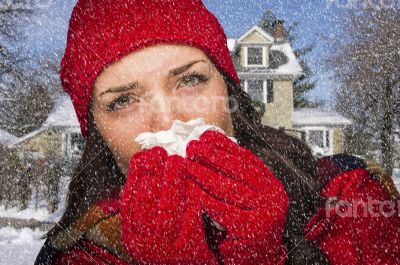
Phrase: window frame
(264, 92)
(328, 148)
(322, 137)
(262, 56)
(72, 136)
(67, 148)
(327, 139)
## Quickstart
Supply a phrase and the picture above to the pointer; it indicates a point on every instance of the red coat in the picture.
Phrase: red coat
(345, 229)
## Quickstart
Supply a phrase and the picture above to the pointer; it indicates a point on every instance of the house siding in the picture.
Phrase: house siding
(279, 112)
(254, 37)
(243, 55)
(46, 142)
(338, 141)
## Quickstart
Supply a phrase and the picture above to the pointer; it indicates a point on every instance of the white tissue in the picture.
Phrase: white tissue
(175, 139)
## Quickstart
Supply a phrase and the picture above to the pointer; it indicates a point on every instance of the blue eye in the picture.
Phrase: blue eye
(120, 102)
(193, 79)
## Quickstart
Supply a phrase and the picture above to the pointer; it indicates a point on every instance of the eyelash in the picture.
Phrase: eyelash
(112, 106)
(202, 79)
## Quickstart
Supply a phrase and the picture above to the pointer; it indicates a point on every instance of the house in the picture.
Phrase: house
(267, 68)
(322, 130)
(59, 135)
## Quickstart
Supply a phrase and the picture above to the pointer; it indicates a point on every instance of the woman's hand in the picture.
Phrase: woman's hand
(158, 227)
(234, 187)
(358, 224)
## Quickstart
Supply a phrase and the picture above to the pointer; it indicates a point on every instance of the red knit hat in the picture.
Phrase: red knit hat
(103, 31)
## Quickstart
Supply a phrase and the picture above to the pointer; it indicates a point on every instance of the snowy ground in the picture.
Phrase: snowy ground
(19, 246)
(38, 214)
(37, 207)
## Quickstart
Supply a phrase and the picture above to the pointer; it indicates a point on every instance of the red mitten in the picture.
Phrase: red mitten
(360, 225)
(236, 189)
(157, 225)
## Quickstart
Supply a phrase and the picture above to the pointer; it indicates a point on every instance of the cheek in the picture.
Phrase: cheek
(220, 114)
(119, 134)
(212, 105)
(122, 149)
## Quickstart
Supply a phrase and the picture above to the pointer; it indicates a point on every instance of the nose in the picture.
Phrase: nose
(164, 110)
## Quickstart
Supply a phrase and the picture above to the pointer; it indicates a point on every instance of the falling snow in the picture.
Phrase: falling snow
(323, 104)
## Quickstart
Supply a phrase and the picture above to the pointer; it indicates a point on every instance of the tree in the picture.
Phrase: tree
(30, 98)
(24, 99)
(304, 83)
(11, 13)
(11, 170)
(267, 22)
(367, 67)
(27, 109)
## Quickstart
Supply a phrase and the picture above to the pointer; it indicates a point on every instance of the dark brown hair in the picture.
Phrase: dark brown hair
(97, 174)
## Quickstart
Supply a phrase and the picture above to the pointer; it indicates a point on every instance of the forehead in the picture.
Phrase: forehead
(154, 60)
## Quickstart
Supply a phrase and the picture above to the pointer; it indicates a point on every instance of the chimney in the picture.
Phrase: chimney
(279, 30)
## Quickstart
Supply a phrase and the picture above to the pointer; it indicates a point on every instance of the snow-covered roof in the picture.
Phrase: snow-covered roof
(26, 136)
(292, 66)
(318, 117)
(6, 138)
(63, 113)
(231, 44)
(256, 28)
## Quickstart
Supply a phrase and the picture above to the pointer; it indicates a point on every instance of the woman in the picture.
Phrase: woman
(220, 204)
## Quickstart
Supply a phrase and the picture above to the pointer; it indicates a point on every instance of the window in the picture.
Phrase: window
(327, 139)
(254, 55)
(270, 91)
(255, 88)
(316, 138)
(74, 144)
(242, 84)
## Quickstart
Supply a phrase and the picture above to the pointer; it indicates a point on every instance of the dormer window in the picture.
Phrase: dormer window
(255, 56)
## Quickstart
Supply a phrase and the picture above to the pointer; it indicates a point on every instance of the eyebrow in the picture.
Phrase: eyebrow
(183, 68)
(133, 85)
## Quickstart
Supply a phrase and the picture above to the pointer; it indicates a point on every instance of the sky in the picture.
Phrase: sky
(320, 21)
